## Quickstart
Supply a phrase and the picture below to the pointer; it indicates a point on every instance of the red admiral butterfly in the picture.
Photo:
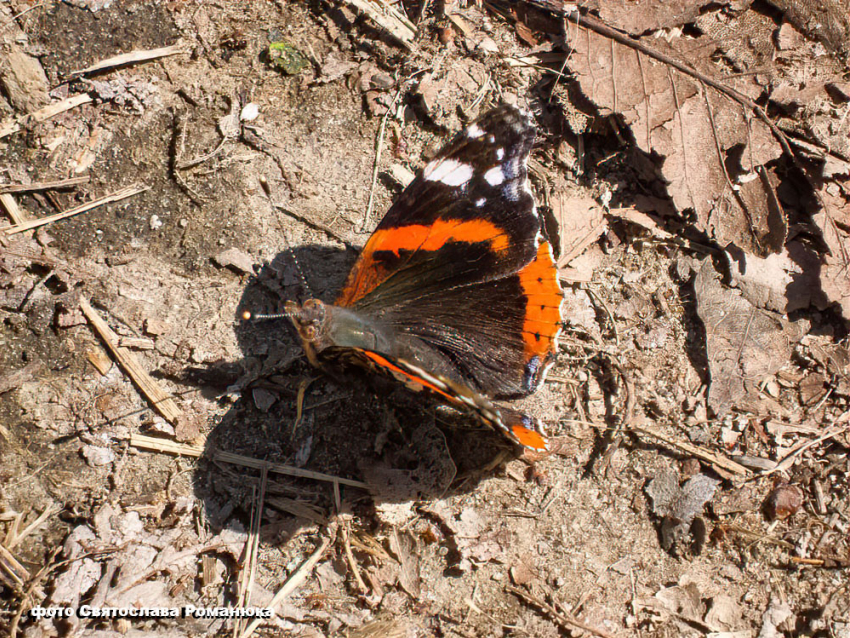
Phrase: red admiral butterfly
(456, 291)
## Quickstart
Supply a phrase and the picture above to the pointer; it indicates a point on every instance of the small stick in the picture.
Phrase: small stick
(133, 57)
(563, 619)
(8, 202)
(170, 447)
(45, 113)
(44, 186)
(161, 400)
(15, 17)
(292, 583)
(715, 459)
(349, 556)
(117, 196)
(389, 19)
(29, 529)
(788, 460)
(378, 149)
(10, 565)
(252, 548)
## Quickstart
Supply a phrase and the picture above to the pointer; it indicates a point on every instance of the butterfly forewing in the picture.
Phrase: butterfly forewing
(473, 193)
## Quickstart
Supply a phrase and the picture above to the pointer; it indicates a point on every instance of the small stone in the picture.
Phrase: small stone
(97, 456)
(155, 222)
(235, 259)
(488, 45)
(785, 500)
(155, 327)
(250, 112)
(263, 399)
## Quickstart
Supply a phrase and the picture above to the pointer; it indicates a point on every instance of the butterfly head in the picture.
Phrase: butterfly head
(310, 321)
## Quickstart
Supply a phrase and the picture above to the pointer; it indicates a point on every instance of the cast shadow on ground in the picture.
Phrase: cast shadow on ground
(352, 425)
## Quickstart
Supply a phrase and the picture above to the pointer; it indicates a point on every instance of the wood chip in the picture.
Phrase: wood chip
(134, 57)
(44, 186)
(161, 400)
(117, 196)
(8, 202)
(51, 110)
(388, 18)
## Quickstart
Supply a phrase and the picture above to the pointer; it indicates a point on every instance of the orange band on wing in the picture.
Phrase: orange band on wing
(367, 274)
(529, 438)
(386, 363)
(542, 324)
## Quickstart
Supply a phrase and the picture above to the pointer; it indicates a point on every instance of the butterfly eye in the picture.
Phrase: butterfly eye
(309, 332)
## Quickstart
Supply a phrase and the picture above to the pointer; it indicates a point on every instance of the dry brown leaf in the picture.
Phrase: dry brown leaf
(404, 546)
(581, 221)
(677, 505)
(782, 282)
(827, 20)
(713, 148)
(833, 222)
(650, 15)
(744, 344)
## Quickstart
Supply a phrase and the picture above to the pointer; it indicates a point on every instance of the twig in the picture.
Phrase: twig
(710, 457)
(388, 18)
(330, 232)
(292, 583)
(565, 620)
(18, 15)
(8, 202)
(29, 529)
(608, 313)
(45, 113)
(17, 573)
(349, 556)
(379, 147)
(252, 547)
(117, 196)
(43, 186)
(170, 447)
(788, 460)
(134, 57)
(625, 423)
(161, 400)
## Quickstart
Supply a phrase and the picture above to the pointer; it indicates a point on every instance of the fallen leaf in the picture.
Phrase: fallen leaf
(744, 344)
(405, 548)
(711, 150)
(649, 15)
(679, 506)
(782, 282)
(581, 221)
(833, 221)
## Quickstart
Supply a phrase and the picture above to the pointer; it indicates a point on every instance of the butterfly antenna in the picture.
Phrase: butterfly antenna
(247, 315)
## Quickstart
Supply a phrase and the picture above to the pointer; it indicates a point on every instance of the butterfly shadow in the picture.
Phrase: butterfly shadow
(398, 447)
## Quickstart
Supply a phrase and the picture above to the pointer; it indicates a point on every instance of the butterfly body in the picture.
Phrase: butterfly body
(456, 292)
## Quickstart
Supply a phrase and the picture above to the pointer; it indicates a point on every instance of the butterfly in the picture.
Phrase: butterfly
(456, 292)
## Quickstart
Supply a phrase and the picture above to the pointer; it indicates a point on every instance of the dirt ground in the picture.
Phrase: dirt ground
(681, 499)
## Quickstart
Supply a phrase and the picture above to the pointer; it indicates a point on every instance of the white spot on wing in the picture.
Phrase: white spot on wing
(480, 202)
(500, 153)
(448, 171)
(474, 132)
(494, 176)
